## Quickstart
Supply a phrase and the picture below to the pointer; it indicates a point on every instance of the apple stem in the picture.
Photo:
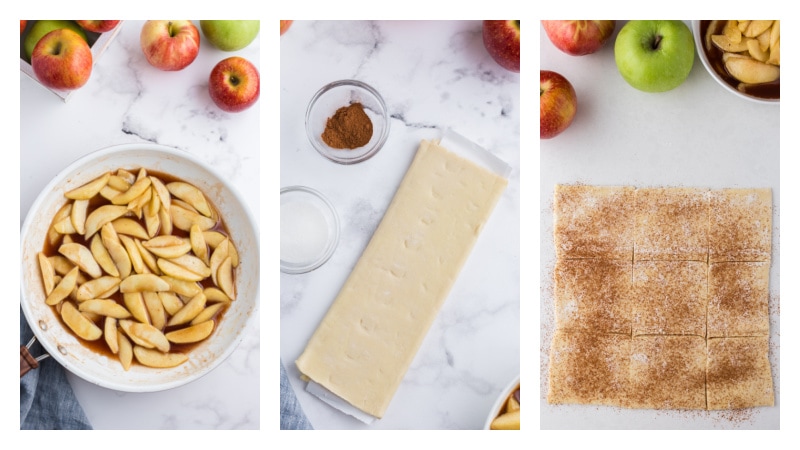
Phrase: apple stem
(657, 42)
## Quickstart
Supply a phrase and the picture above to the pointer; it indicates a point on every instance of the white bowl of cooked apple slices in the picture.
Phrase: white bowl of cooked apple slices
(139, 268)
(742, 56)
(505, 413)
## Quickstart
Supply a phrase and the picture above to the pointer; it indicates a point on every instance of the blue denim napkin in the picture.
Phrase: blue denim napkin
(46, 399)
(292, 415)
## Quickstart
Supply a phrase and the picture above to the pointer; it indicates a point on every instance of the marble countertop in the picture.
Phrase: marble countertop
(433, 76)
(695, 135)
(128, 101)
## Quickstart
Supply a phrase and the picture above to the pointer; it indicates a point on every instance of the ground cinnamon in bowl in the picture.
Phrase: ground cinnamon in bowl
(348, 128)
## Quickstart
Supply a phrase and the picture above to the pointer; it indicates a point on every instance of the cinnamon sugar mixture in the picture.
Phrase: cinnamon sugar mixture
(661, 297)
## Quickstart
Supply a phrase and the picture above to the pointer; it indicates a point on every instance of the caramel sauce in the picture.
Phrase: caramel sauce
(765, 90)
(99, 346)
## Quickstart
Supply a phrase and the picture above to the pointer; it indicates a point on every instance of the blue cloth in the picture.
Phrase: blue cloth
(292, 415)
(46, 399)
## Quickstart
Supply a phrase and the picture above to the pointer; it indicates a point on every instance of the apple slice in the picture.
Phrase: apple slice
(749, 70)
(130, 227)
(143, 282)
(165, 219)
(137, 263)
(48, 273)
(102, 216)
(107, 308)
(155, 358)
(168, 246)
(81, 257)
(65, 225)
(161, 191)
(120, 183)
(182, 287)
(190, 195)
(145, 335)
(101, 287)
(732, 32)
(125, 350)
(208, 313)
(78, 215)
(191, 334)
(754, 48)
(64, 287)
(148, 258)
(116, 250)
(756, 27)
(743, 24)
(170, 302)
(507, 421)
(101, 255)
(138, 188)
(763, 40)
(183, 219)
(110, 334)
(775, 54)
(775, 33)
(198, 243)
(723, 43)
(89, 189)
(155, 309)
(225, 278)
(79, 324)
(189, 311)
(134, 301)
(215, 295)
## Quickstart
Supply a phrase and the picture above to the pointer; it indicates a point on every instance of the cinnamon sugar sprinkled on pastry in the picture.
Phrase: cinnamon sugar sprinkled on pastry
(740, 225)
(739, 374)
(589, 368)
(700, 269)
(738, 303)
(670, 297)
(671, 224)
(668, 372)
(593, 295)
(594, 222)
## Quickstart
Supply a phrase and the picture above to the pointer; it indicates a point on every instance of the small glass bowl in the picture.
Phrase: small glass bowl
(344, 93)
(699, 41)
(317, 209)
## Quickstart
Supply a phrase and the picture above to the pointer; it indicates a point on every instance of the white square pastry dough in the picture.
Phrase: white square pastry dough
(370, 335)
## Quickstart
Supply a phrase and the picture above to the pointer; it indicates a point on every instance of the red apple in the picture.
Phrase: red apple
(557, 104)
(578, 37)
(170, 44)
(62, 60)
(22, 24)
(285, 24)
(234, 84)
(501, 39)
(98, 26)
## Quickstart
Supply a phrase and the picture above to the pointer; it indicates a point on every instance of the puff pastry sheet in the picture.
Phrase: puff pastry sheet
(371, 333)
(661, 297)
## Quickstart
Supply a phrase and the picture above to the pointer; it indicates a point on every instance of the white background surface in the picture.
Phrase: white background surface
(432, 75)
(127, 101)
(695, 135)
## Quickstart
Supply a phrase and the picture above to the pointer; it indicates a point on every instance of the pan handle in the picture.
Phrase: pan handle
(26, 360)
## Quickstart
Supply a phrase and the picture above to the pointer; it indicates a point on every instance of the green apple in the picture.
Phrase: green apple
(42, 27)
(230, 35)
(654, 55)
